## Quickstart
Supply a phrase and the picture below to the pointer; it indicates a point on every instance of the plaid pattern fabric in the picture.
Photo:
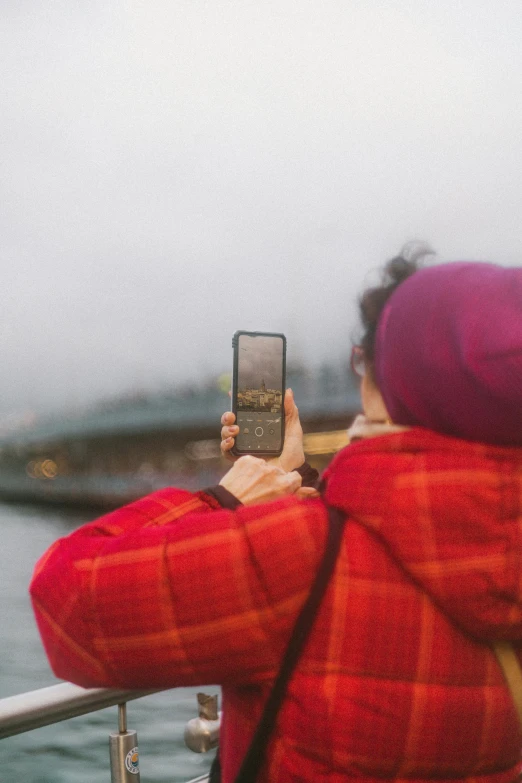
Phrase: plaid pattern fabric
(395, 682)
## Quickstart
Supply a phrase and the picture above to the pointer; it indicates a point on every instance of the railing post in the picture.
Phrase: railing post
(123, 748)
(202, 733)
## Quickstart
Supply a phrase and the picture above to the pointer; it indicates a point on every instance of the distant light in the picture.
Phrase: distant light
(30, 469)
(325, 442)
(314, 443)
(49, 468)
(42, 469)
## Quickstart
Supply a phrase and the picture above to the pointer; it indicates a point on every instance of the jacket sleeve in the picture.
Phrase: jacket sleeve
(172, 590)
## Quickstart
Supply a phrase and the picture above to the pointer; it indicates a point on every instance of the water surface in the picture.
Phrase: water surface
(75, 751)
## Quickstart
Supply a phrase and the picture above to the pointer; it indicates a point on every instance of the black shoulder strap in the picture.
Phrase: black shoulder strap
(255, 755)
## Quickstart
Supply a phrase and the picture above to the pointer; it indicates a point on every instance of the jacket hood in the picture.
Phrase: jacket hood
(450, 513)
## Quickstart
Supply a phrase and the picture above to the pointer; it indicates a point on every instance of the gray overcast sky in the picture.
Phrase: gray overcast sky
(173, 170)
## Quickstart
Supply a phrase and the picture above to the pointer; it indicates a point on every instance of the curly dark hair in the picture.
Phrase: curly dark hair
(372, 301)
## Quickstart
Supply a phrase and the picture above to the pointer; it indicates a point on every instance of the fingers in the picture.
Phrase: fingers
(228, 418)
(229, 430)
(252, 480)
(307, 492)
(294, 481)
(226, 446)
(270, 476)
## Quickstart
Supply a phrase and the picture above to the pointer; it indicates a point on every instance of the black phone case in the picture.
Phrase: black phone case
(235, 346)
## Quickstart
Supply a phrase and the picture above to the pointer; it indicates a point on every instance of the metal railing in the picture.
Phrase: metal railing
(34, 709)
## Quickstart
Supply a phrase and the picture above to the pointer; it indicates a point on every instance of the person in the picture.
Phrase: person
(397, 680)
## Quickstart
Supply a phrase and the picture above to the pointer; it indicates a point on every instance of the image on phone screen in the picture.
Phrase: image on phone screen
(259, 377)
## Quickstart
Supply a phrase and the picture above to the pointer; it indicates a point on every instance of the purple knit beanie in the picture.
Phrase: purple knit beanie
(448, 353)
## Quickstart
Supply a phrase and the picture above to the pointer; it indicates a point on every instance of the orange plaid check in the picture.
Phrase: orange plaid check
(397, 680)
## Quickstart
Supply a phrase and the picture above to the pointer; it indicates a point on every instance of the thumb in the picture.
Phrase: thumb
(290, 406)
(307, 492)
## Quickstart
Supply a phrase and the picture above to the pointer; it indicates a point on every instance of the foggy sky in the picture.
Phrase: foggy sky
(174, 170)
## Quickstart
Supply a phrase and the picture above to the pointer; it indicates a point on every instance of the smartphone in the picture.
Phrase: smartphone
(258, 392)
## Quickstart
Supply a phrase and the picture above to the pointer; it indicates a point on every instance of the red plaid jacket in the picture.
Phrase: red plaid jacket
(397, 680)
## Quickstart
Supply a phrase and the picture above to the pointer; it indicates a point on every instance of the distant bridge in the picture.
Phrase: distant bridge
(112, 454)
(327, 400)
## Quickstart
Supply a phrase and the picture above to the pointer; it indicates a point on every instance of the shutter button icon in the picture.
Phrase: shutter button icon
(259, 431)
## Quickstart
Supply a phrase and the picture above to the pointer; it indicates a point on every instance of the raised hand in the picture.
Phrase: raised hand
(252, 480)
(292, 456)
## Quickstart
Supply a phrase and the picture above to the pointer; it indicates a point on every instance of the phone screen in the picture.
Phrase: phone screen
(259, 381)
